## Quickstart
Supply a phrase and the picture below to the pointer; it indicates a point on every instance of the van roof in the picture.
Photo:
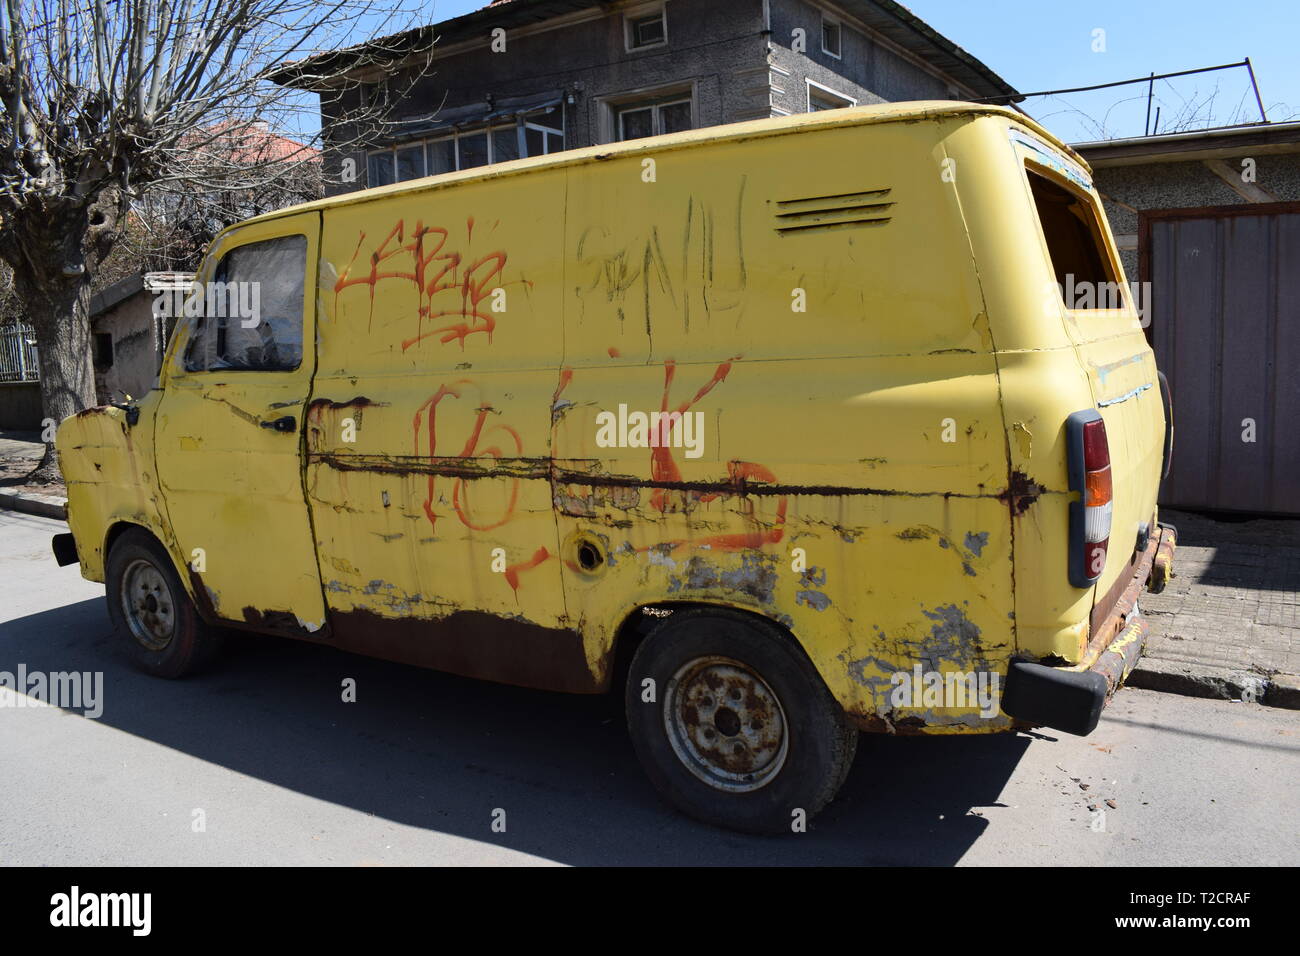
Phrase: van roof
(850, 116)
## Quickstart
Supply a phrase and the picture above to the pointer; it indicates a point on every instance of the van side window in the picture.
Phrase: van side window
(1074, 241)
(251, 316)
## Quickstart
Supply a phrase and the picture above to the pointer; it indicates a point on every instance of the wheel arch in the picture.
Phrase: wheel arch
(641, 621)
(189, 580)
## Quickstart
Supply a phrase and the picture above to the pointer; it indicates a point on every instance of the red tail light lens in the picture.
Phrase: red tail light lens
(1090, 515)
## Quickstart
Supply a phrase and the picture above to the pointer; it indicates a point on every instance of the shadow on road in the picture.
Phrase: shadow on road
(440, 752)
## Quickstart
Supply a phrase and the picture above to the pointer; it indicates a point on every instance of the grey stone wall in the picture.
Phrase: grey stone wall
(865, 71)
(1128, 189)
(137, 349)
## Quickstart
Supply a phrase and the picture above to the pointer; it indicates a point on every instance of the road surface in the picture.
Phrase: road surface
(262, 762)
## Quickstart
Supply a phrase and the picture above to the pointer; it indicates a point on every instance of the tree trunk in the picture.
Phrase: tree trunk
(60, 316)
(53, 248)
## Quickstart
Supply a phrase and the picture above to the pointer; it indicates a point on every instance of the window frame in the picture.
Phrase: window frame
(811, 84)
(655, 105)
(526, 121)
(640, 14)
(1109, 255)
(838, 24)
(197, 325)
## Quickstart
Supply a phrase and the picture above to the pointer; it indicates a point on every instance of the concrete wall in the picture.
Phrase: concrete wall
(866, 70)
(717, 46)
(20, 406)
(137, 349)
(1128, 189)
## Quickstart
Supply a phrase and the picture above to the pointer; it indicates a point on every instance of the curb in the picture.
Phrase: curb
(47, 506)
(1198, 680)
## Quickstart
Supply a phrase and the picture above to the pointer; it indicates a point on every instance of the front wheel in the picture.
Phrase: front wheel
(733, 724)
(153, 617)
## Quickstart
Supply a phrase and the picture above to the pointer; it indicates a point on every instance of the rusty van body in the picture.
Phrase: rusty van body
(793, 426)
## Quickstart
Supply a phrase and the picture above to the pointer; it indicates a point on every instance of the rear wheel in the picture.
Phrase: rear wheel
(741, 731)
(153, 618)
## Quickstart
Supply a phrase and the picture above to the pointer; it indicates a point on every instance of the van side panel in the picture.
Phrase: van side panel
(428, 436)
(824, 330)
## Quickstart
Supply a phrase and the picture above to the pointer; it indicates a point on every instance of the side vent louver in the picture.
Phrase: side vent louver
(839, 211)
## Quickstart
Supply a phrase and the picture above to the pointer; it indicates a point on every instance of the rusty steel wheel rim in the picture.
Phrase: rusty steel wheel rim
(725, 724)
(147, 605)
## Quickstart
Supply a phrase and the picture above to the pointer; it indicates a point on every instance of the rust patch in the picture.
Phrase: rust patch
(320, 404)
(202, 599)
(875, 724)
(274, 622)
(586, 506)
(473, 644)
(452, 466)
(1022, 491)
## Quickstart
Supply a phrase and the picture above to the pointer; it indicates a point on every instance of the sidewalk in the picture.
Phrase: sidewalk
(1228, 624)
(19, 454)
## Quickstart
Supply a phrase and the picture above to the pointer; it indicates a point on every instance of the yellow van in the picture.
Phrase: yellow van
(784, 429)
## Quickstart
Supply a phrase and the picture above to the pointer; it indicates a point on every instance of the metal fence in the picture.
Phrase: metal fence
(18, 354)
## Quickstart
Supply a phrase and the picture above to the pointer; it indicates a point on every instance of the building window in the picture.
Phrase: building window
(374, 95)
(465, 149)
(654, 117)
(824, 98)
(830, 36)
(646, 27)
(103, 350)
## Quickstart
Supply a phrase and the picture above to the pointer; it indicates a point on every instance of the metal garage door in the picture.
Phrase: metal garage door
(1225, 325)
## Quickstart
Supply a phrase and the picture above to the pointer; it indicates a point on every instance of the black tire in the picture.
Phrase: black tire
(167, 638)
(774, 741)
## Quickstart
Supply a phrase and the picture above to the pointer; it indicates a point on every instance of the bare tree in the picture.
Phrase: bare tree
(110, 103)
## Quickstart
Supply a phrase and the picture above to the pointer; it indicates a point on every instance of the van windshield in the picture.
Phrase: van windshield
(1083, 270)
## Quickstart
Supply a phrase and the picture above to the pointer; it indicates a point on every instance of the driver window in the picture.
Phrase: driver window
(251, 312)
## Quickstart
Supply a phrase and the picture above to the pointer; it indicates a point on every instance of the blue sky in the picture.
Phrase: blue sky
(1046, 44)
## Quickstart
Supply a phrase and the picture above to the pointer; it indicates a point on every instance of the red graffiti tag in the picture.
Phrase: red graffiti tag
(447, 286)
(663, 467)
(460, 492)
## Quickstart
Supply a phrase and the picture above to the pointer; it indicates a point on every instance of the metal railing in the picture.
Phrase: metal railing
(18, 354)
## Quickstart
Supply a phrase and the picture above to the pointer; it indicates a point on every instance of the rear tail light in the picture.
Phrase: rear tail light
(1090, 475)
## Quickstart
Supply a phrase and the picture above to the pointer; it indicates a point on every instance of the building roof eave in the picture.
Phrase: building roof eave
(1260, 138)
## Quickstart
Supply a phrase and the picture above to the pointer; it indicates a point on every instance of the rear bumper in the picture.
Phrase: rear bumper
(1071, 699)
(65, 549)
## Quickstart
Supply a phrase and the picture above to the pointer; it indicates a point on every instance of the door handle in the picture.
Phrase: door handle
(286, 424)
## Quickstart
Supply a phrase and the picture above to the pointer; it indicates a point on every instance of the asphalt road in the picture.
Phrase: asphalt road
(284, 772)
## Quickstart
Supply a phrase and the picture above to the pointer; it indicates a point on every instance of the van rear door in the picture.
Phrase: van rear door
(1106, 327)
